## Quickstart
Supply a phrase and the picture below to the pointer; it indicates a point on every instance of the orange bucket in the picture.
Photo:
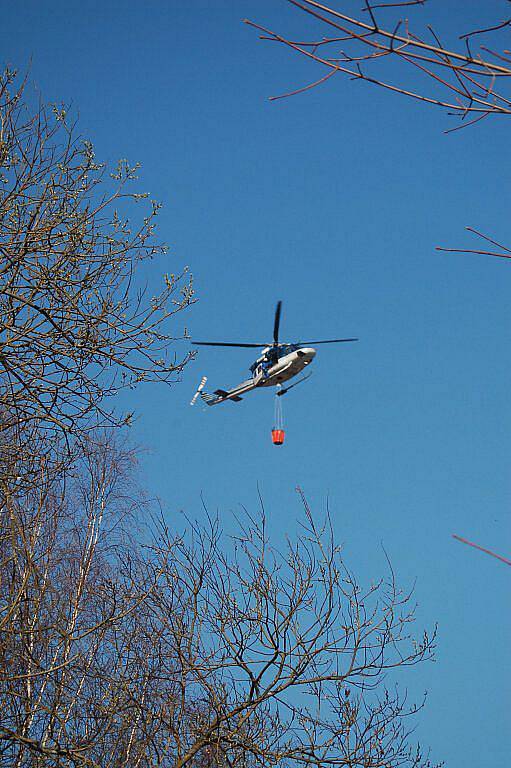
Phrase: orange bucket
(277, 436)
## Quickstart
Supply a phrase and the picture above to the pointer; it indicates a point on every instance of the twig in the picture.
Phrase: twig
(477, 546)
(503, 24)
(472, 250)
(305, 88)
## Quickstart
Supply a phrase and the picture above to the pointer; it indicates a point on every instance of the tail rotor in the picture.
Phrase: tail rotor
(199, 390)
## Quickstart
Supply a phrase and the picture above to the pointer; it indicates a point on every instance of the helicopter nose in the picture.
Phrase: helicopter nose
(306, 352)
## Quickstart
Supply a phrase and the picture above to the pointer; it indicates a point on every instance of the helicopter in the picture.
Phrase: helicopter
(278, 363)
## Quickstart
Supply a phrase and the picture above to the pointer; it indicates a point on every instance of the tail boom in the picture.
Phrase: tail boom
(220, 396)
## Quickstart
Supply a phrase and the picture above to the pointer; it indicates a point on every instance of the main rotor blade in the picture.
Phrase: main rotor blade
(327, 341)
(277, 323)
(226, 344)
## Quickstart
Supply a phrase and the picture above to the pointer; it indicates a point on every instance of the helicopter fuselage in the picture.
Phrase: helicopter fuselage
(269, 374)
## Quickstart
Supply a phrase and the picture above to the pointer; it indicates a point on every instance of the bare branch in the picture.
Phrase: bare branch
(504, 253)
(482, 549)
(461, 83)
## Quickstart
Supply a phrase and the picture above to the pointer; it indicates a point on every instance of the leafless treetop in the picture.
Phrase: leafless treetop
(76, 322)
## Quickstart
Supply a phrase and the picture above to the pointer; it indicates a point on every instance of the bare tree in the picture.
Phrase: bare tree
(190, 650)
(65, 592)
(286, 651)
(76, 322)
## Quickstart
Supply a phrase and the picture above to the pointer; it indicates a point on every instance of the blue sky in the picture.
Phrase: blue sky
(332, 201)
